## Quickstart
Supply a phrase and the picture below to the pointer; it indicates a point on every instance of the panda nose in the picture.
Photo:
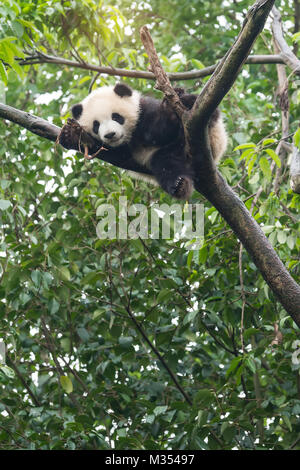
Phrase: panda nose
(110, 135)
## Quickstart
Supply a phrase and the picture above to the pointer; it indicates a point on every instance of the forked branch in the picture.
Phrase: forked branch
(209, 181)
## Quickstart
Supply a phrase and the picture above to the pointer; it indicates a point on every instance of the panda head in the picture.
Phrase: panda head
(109, 114)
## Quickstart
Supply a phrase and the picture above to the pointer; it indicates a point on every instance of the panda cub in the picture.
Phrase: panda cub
(147, 130)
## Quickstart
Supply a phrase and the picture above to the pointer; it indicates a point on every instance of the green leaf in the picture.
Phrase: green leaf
(247, 155)
(163, 295)
(7, 371)
(99, 312)
(245, 146)
(287, 422)
(281, 236)
(159, 410)
(235, 363)
(125, 341)
(83, 334)
(197, 64)
(268, 142)
(37, 277)
(3, 73)
(290, 242)
(27, 24)
(66, 383)
(296, 37)
(4, 204)
(250, 363)
(274, 156)
(53, 306)
(64, 273)
(204, 397)
(251, 163)
(297, 138)
(267, 229)
(265, 167)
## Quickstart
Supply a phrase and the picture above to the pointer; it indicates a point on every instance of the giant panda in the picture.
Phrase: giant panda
(149, 131)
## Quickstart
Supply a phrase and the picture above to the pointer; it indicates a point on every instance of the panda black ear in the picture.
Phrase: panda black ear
(121, 89)
(76, 111)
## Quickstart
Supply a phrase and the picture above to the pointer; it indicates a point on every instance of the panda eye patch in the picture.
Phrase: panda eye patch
(96, 125)
(117, 117)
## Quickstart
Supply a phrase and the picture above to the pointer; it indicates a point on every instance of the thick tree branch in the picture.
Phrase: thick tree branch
(257, 245)
(286, 53)
(40, 58)
(211, 184)
(228, 68)
(49, 131)
(33, 123)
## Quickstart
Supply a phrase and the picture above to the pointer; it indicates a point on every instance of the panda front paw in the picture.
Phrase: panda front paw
(182, 188)
(69, 136)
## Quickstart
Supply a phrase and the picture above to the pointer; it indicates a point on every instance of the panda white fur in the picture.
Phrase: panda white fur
(147, 130)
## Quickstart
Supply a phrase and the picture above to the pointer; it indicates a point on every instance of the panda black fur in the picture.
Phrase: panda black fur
(148, 130)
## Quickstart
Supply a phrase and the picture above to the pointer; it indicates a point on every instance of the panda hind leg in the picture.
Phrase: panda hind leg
(182, 187)
(172, 174)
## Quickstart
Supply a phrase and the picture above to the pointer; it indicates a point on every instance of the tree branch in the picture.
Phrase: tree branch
(228, 68)
(257, 245)
(40, 58)
(211, 184)
(286, 53)
(283, 98)
(162, 81)
(209, 181)
(49, 131)
(23, 381)
(33, 123)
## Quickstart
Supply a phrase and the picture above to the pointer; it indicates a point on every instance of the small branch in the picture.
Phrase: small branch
(286, 53)
(52, 349)
(243, 297)
(284, 104)
(229, 67)
(160, 357)
(162, 81)
(22, 380)
(40, 58)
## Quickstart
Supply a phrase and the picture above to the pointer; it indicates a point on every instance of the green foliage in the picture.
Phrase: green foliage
(72, 307)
